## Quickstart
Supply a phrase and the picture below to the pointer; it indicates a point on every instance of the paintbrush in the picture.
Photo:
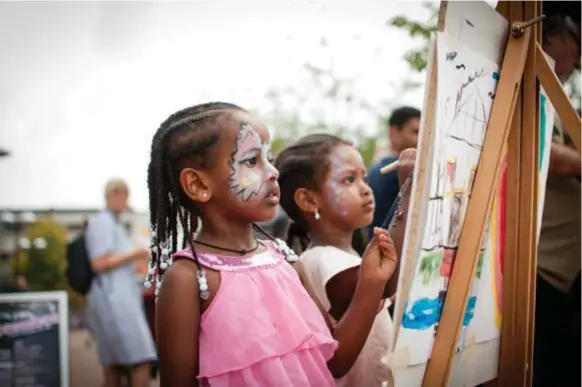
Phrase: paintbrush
(389, 168)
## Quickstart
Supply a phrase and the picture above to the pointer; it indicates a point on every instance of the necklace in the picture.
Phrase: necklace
(239, 252)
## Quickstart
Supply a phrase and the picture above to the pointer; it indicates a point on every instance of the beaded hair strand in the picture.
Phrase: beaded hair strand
(185, 137)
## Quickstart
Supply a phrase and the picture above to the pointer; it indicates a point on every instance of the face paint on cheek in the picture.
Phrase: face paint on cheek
(243, 180)
(339, 195)
(252, 182)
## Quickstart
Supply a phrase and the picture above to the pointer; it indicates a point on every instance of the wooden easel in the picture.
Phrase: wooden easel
(514, 119)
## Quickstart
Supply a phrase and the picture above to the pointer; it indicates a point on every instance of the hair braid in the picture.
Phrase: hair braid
(187, 134)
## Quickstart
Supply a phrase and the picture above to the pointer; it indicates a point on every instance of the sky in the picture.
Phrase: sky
(84, 85)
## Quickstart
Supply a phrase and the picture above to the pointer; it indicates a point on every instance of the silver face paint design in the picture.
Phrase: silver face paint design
(245, 179)
(339, 193)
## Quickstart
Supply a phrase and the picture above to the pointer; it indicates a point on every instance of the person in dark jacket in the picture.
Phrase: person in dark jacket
(403, 127)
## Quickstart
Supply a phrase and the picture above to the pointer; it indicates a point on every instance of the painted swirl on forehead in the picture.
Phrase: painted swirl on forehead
(339, 194)
(245, 181)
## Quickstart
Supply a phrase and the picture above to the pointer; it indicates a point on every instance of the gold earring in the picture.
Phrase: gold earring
(317, 214)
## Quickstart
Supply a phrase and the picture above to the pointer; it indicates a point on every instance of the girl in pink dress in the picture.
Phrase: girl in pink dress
(231, 310)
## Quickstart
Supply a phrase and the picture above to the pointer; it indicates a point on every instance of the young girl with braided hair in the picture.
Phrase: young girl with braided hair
(325, 192)
(230, 310)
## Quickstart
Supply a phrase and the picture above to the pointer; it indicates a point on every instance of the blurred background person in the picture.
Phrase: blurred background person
(115, 312)
(557, 312)
(403, 127)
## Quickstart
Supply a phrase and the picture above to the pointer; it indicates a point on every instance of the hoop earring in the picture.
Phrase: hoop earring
(317, 217)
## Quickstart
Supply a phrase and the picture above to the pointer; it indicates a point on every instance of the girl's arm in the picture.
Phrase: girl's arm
(177, 326)
(352, 330)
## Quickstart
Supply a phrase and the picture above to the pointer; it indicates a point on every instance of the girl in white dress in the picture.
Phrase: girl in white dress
(325, 192)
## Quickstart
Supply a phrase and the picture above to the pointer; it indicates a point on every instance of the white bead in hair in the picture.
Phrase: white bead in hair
(158, 285)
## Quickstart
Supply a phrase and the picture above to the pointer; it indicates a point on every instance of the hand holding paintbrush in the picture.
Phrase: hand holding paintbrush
(341, 287)
(404, 165)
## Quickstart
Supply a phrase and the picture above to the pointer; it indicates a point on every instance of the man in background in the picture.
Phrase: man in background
(557, 314)
(403, 127)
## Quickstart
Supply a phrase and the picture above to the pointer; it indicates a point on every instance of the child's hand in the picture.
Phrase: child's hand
(379, 260)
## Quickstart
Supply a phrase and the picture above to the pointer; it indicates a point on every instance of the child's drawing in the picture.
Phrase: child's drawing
(462, 113)
(455, 223)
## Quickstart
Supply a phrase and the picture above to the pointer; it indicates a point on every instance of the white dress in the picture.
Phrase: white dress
(321, 264)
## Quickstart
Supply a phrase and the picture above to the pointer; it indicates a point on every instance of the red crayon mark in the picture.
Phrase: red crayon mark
(447, 262)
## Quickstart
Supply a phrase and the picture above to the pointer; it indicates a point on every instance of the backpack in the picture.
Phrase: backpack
(80, 274)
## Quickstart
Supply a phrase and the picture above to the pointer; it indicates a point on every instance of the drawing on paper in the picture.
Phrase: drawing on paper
(462, 114)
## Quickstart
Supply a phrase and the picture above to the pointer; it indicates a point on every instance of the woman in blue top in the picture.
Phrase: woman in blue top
(115, 305)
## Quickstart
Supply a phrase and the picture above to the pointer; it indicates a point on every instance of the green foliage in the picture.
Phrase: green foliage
(45, 268)
(277, 144)
(309, 108)
(367, 149)
(417, 58)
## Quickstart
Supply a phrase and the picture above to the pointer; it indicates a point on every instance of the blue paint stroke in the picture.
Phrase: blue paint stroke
(496, 76)
(470, 311)
(543, 118)
(423, 314)
(426, 312)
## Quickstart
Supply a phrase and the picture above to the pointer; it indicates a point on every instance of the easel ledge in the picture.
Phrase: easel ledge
(515, 107)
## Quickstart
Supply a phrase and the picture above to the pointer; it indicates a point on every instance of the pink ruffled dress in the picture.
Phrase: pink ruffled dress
(262, 328)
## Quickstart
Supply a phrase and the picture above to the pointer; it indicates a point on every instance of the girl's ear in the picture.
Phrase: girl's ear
(195, 185)
(307, 201)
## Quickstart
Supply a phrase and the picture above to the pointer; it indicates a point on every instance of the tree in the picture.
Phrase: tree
(332, 103)
(43, 264)
(417, 58)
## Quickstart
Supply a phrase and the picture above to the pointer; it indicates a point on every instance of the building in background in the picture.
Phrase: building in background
(13, 223)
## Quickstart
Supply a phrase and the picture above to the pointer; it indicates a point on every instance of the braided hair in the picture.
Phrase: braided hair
(187, 137)
(303, 165)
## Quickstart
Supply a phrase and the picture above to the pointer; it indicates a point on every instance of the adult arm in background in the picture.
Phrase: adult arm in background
(564, 160)
(100, 242)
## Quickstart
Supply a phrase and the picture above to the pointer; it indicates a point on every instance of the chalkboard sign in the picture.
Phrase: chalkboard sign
(34, 340)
